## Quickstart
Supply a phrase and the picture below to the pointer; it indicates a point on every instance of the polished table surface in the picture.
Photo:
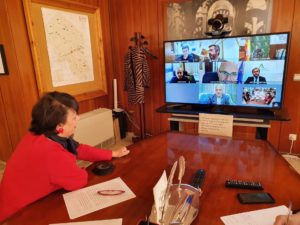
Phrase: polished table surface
(222, 158)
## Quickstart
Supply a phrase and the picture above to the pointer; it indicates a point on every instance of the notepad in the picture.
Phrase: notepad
(257, 217)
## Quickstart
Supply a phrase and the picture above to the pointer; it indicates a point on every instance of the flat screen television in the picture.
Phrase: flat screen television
(245, 71)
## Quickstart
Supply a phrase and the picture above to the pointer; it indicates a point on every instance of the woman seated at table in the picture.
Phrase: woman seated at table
(45, 159)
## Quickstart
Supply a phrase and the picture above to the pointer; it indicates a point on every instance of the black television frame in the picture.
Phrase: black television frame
(229, 108)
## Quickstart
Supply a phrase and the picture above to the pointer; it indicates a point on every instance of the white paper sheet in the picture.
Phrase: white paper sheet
(87, 200)
(158, 192)
(257, 217)
(215, 124)
(95, 222)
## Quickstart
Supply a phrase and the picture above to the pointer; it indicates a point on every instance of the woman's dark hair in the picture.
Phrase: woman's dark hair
(50, 111)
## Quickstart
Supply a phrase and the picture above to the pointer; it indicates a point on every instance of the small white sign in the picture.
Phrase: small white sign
(215, 124)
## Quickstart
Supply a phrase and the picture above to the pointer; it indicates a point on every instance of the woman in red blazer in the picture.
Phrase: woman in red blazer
(45, 159)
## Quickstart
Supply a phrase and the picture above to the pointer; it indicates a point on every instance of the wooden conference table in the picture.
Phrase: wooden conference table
(221, 158)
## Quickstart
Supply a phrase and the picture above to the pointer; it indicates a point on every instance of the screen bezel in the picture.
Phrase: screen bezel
(232, 106)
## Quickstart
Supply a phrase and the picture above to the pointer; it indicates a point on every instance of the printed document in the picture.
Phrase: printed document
(257, 217)
(99, 196)
(95, 222)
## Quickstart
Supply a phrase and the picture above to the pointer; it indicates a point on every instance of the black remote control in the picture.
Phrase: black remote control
(254, 185)
(198, 178)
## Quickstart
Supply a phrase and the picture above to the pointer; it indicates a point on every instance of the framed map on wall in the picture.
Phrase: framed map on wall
(67, 47)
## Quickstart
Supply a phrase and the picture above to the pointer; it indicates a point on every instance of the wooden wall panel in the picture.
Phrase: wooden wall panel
(126, 18)
(282, 20)
(103, 101)
(17, 89)
(149, 18)
(120, 19)
(5, 145)
(282, 15)
(292, 94)
(149, 10)
(161, 15)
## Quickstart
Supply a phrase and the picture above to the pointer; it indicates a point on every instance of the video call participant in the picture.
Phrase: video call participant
(228, 72)
(211, 69)
(219, 98)
(246, 97)
(182, 77)
(187, 56)
(256, 78)
(45, 159)
(214, 53)
(269, 98)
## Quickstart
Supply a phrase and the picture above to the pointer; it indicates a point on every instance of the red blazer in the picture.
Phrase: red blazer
(40, 166)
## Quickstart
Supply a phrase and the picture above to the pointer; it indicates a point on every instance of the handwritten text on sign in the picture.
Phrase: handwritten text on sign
(215, 124)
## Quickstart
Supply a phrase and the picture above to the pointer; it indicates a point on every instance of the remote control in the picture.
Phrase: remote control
(198, 178)
(254, 185)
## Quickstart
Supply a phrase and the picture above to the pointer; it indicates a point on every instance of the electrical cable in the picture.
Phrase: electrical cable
(291, 147)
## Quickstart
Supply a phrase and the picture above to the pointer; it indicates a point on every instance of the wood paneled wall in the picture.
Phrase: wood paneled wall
(120, 19)
(18, 90)
(292, 93)
(149, 18)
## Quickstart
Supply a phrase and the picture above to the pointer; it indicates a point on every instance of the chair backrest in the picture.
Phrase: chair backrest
(204, 98)
(209, 77)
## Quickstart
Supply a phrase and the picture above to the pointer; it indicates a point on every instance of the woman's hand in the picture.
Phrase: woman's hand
(293, 220)
(120, 152)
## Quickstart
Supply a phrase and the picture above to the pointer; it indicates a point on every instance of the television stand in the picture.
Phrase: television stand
(253, 117)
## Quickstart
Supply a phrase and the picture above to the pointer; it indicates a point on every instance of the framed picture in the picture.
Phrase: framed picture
(67, 48)
(3, 64)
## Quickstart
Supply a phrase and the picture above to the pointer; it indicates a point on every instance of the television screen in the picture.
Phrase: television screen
(237, 71)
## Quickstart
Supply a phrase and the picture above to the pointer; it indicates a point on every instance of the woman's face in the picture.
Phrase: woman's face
(70, 124)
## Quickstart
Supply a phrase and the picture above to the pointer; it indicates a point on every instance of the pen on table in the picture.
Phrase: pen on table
(289, 213)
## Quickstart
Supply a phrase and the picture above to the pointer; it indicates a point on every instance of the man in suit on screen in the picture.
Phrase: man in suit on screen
(220, 98)
(256, 78)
